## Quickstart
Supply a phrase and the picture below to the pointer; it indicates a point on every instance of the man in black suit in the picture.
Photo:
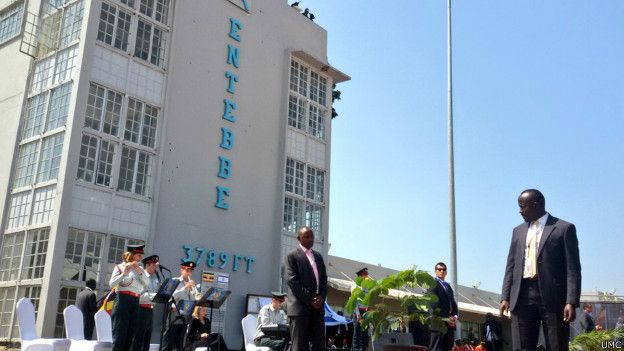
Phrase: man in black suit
(492, 334)
(86, 302)
(586, 321)
(445, 308)
(542, 283)
(307, 290)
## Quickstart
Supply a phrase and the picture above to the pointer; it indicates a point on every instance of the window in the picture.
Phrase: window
(83, 255)
(292, 214)
(300, 210)
(150, 44)
(19, 209)
(135, 171)
(67, 296)
(141, 123)
(43, 74)
(35, 253)
(313, 216)
(65, 63)
(147, 7)
(103, 109)
(114, 27)
(307, 100)
(315, 184)
(59, 107)
(162, 11)
(296, 112)
(35, 115)
(43, 205)
(96, 152)
(298, 78)
(50, 160)
(26, 163)
(11, 22)
(72, 21)
(318, 88)
(7, 304)
(12, 245)
(34, 294)
(294, 176)
(316, 122)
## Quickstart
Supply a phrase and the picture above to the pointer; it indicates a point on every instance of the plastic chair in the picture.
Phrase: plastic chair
(74, 329)
(30, 341)
(103, 326)
(249, 330)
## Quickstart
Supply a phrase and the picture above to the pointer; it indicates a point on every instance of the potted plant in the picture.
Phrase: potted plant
(380, 317)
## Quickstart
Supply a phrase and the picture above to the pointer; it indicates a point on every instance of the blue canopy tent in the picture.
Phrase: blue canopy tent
(332, 318)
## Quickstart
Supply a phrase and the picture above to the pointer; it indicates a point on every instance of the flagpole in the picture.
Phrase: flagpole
(451, 161)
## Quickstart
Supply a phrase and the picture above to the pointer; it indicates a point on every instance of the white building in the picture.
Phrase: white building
(201, 128)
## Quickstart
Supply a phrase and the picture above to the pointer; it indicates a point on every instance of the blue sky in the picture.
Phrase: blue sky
(539, 102)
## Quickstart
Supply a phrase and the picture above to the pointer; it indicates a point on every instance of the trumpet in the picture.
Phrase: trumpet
(194, 291)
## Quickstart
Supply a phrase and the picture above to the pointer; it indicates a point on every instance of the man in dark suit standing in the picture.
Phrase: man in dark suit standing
(586, 321)
(445, 308)
(307, 290)
(542, 283)
(86, 302)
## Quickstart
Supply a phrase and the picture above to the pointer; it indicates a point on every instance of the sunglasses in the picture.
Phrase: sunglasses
(441, 269)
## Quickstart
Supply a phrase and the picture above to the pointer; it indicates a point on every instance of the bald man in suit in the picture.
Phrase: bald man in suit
(542, 283)
(307, 290)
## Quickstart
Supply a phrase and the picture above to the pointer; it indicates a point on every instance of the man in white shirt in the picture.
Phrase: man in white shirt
(271, 315)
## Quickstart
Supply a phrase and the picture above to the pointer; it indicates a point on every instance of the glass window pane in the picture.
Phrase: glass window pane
(43, 205)
(35, 115)
(59, 107)
(26, 163)
(11, 22)
(50, 160)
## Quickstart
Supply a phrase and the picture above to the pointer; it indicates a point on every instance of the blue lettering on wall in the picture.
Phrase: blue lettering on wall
(227, 138)
(222, 193)
(232, 56)
(216, 258)
(229, 106)
(235, 26)
(232, 78)
(224, 167)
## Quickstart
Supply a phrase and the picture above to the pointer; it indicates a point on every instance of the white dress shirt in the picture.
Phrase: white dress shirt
(537, 233)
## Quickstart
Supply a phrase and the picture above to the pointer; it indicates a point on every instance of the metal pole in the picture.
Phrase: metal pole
(451, 167)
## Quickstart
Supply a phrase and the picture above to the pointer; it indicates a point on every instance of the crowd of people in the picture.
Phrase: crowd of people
(541, 288)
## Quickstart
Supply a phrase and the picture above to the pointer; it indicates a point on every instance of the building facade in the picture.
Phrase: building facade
(201, 128)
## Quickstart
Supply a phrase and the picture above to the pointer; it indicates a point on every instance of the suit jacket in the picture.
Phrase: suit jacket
(446, 305)
(558, 265)
(86, 302)
(302, 283)
(587, 322)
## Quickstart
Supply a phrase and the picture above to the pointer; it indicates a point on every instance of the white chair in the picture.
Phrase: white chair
(103, 326)
(30, 341)
(74, 328)
(249, 330)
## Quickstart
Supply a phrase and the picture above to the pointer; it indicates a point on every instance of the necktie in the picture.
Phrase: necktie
(533, 249)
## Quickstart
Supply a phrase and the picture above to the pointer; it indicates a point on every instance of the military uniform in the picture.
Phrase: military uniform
(143, 333)
(174, 335)
(126, 307)
(269, 316)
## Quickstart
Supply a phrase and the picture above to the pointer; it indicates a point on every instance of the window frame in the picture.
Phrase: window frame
(16, 9)
(307, 90)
